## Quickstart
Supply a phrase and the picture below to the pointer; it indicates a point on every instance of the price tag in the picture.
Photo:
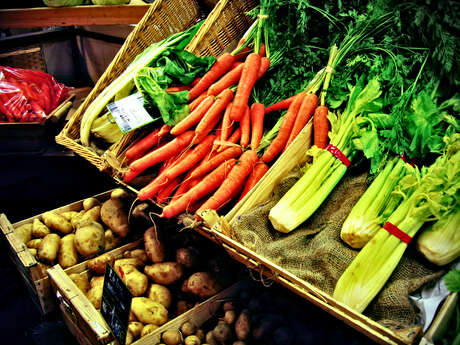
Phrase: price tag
(116, 303)
(129, 112)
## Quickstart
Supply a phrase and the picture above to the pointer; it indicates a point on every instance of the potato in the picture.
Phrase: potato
(33, 251)
(129, 338)
(188, 257)
(89, 203)
(24, 232)
(114, 216)
(171, 337)
(90, 240)
(164, 273)
(210, 338)
(192, 340)
(201, 284)
(94, 293)
(35, 243)
(147, 329)
(98, 264)
(132, 317)
(229, 317)
(135, 328)
(200, 334)
(137, 253)
(222, 332)
(111, 240)
(153, 247)
(49, 248)
(81, 281)
(119, 193)
(187, 328)
(69, 215)
(149, 311)
(182, 307)
(242, 325)
(39, 229)
(136, 281)
(75, 220)
(68, 256)
(96, 281)
(135, 262)
(92, 215)
(55, 221)
(160, 294)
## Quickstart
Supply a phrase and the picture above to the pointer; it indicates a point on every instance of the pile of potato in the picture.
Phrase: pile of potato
(251, 317)
(165, 280)
(70, 237)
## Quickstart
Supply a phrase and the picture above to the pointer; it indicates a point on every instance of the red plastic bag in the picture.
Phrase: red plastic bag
(27, 95)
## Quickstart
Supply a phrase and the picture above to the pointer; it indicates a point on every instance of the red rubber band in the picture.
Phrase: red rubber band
(397, 232)
(405, 160)
(338, 154)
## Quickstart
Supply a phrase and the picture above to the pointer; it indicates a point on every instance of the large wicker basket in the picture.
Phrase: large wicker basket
(163, 18)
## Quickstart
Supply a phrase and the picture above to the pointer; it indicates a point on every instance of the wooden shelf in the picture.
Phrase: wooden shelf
(67, 16)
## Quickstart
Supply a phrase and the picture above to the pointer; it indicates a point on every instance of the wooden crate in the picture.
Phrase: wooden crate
(26, 58)
(35, 278)
(88, 325)
(161, 20)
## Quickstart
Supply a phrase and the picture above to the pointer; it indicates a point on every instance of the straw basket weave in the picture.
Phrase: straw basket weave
(220, 32)
(164, 18)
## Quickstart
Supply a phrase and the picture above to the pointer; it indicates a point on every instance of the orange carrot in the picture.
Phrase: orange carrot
(257, 124)
(231, 152)
(235, 137)
(195, 81)
(195, 156)
(305, 111)
(281, 105)
(153, 139)
(233, 183)
(164, 194)
(194, 117)
(230, 78)
(277, 145)
(245, 125)
(196, 102)
(222, 65)
(186, 185)
(171, 149)
(236, 64)
(206, 186)
(262, 50)
(260, 169)
(264, 65)
(226, 123)
(178, 88)
(212, 116)
(247, 81)
(320, 127)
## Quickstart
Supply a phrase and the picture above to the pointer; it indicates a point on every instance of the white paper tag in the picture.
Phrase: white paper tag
(129, 112)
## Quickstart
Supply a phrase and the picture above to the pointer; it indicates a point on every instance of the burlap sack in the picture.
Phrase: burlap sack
(315, 252)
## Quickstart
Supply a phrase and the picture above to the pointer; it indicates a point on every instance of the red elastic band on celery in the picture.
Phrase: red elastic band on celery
(397, 232)
(338, 154)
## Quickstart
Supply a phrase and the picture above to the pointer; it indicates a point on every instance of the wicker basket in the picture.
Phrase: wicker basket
(27, 58)
(163, 18)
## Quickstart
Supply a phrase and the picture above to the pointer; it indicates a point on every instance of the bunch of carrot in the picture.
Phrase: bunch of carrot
(210, 157)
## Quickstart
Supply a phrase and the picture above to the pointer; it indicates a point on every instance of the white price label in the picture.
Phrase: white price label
(129, 112)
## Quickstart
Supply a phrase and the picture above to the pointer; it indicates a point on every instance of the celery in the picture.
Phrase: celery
(434, 196)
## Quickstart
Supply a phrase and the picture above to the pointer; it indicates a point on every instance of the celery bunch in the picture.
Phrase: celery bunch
(434, 193)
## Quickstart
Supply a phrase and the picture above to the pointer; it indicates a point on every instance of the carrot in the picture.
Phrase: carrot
(236, 64)
(196, 102)
(262, 50)
(233, 183)
(281, 105)
(305, 111)
(226, 123)
(245, 125)
(257, 124)
(186, 185)
(264, 65)
(285, 129)
(260, 169)
(230, 78)
(195, 156)
(164, 194)
(212, 116)
(244, 52)
(320, 126)
(231, 152)
(247, 81)
(195, 81)
(222, 65)
(235, 137)
(153, 139)
(206, 186)
(194, 117)
(178, 88)
(171, 149)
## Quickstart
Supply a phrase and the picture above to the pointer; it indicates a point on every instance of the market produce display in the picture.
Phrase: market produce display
(189, 272)
(28, 95)
(71, 237)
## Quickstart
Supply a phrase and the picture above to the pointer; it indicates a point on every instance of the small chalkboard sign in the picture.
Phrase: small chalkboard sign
(116, 303)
